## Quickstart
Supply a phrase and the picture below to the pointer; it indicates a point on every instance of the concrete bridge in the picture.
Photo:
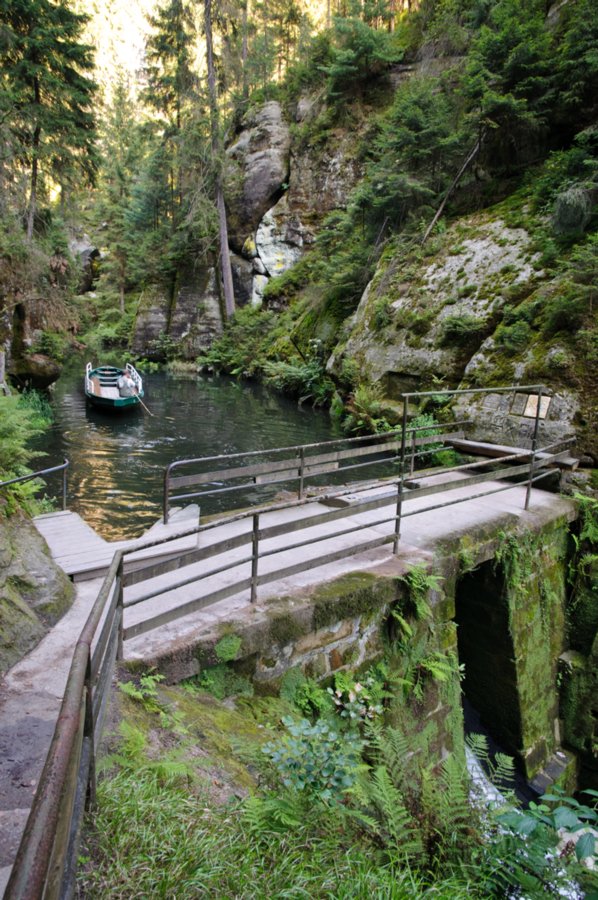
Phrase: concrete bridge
(316, 583)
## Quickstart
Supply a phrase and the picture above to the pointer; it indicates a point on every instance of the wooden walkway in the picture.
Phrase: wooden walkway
(84, 555)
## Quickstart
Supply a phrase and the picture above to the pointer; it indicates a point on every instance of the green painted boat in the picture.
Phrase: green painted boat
(111, 388)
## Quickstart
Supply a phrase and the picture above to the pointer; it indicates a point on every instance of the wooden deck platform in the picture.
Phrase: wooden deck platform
(84, 555)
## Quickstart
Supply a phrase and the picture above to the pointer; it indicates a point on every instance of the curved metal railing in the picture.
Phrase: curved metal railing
(61, 468)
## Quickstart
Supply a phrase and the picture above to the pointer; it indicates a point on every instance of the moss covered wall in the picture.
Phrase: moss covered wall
(579, 666)
(534, 568)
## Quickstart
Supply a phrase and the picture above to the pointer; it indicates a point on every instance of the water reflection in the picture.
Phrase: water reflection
(117, 462)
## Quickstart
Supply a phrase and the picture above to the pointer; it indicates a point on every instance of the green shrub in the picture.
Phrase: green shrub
(363, 411)
(306, 380)
(319, 759)
(241, 348)
(382, 314)
(51, 343)
(462, 330)
(514, 338)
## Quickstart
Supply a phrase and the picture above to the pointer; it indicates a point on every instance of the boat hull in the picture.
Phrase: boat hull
(122, 403)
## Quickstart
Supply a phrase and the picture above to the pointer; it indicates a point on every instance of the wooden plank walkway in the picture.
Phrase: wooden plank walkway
(84, 555)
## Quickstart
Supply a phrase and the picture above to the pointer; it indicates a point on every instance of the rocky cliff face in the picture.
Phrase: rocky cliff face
(457, 313)
(279, 185)
(33, 301)
(34, 593)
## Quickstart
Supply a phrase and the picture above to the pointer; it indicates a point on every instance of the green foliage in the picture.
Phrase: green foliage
(52, 344)
(222, 682)
(145, 692)
(359, 55)
(318, 758)
(311, 699)
(420, 583)
(361, 700)
(363, 412)
(132, 757)
(228, 647)
(21, 418)
(306, 380)
(382, 314)
(46, 96)
(462, 331)
(242, 348)
(510, 80)
(529, 839)
(499, 768)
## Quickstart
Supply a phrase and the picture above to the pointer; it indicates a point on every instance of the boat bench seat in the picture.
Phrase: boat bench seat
(111, 393)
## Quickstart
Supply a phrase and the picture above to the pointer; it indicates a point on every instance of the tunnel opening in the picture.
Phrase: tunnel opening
(490, 697)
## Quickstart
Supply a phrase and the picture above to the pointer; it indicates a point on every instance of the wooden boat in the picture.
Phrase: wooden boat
(103, 387)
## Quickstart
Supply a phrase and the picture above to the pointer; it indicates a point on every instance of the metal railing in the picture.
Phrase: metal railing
(45, 863)
(61, 468)
(46, 858)
(244, 570)
(345, 457)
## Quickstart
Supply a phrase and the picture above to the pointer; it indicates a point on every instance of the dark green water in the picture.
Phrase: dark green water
(117, 461)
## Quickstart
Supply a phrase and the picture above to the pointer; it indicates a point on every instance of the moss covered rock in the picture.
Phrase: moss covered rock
(34, 592)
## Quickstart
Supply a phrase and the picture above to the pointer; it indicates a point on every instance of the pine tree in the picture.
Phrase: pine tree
(121, 158)
(47, 93)
(171, 80)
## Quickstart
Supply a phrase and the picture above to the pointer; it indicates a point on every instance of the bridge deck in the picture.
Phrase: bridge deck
(419, 535)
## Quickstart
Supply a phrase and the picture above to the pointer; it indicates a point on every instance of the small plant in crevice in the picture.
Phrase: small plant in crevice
(145, 692)
(420, 583)
(227, 648)
(222, 680)
(361, 700)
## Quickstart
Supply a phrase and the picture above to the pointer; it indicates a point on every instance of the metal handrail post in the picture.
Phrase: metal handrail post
(412, 463)
(395, 546)
(166, 493)
(534, 448)
(89, 732)
(64, 481)
(255, 536)
(120, 610)
(301, 472)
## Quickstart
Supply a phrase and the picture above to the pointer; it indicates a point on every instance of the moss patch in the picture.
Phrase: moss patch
(351, 596)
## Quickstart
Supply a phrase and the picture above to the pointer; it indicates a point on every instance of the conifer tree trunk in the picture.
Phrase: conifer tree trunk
(245, 49)
(225, 266)
(31, 208)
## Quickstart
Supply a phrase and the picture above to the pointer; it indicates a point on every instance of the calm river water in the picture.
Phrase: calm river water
(117, 462)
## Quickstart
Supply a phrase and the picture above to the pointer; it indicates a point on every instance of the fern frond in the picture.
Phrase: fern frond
(503, 772)
(278, 814)
(478, 744)
(395, 819)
